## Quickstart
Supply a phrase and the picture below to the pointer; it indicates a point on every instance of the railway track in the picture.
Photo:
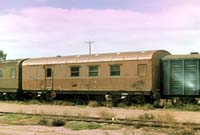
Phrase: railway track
(126, 122)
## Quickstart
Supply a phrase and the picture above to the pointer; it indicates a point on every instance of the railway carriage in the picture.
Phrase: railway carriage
(181, 76)
(132, 76)
(10, 78)
(109, 76)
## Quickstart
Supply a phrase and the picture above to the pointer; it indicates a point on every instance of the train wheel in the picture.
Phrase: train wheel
(108, 97)
(50, 95)
(198, 101)
(177, 101)
(109, 100)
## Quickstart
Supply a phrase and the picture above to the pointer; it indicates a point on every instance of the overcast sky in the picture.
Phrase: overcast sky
(37, 28)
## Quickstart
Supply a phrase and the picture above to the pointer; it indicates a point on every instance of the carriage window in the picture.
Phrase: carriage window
(142, 69)
(75, 71)
(93, 71)
(1, 74)
(13, 73)
(115, 70)
(48, 72)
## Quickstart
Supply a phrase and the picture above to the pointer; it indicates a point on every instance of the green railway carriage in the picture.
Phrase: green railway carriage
(181, 75)
(10, 77)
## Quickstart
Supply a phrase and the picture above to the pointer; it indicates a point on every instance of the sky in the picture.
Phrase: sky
(42, 28)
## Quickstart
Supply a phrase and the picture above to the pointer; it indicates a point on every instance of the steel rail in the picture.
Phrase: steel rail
(126, 122)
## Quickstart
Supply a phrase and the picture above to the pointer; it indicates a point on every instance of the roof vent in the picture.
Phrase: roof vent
(194, 53)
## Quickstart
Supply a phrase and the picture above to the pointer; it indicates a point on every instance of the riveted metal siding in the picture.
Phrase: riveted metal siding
(166, 77)
(181, 77)
(176, 77)
(190, 70)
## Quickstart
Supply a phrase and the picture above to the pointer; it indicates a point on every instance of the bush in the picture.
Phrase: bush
(191, 107)
(43, 122)
(58, 123)
(142, 107)
(184, 107)
(187, 131)
(75, 125)
(93, 104)
(63, 102)
(122, 105)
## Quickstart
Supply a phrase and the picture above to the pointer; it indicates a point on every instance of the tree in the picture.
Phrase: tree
(2, 55)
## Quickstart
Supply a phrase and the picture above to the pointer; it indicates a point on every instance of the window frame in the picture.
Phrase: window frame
(75, 72)
(48, 72)
(1, 73)
(115, 71)
(13, 73)
(96, 71)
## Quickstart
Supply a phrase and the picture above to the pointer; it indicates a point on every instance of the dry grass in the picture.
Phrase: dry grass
(83, 114)
(108, 104)
(142, 107)
(165, 118)
(93, 104)
(183, 107)
(75, 125)
(18, 119)
(44, 122)
(106, 115)
(146, 117)
(187, 131)
(183, 131)
(110, 127)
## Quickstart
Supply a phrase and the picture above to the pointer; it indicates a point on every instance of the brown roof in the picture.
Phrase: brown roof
(122, 56)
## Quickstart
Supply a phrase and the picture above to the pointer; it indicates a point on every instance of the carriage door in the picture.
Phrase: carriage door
(48, 77)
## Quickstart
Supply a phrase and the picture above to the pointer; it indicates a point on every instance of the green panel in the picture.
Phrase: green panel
(176, 77)
(182, 77)
(9, 80)
(190, 70)
(166, 77)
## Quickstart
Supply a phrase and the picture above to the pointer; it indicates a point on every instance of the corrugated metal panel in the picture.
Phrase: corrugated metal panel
(181, 77)
(176, 77)
(142, 55)
(190, 77)
(166, 77)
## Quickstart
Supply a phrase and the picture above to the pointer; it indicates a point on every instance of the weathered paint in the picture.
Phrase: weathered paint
(34, 73)
(181, 75)
(7, 83)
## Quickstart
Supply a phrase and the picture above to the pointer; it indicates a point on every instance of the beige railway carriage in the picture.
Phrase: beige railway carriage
(126, 72)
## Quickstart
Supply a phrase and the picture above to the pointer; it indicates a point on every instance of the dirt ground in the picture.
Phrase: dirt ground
(179, 116)
(39, 130)
(43, 130)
